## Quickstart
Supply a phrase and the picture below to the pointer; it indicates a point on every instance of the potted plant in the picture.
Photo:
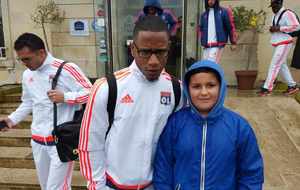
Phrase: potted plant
(249, 23)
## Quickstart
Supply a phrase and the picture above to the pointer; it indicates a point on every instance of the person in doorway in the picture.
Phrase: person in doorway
(145, 99)
(205, 145)
(216, 26)
(284, 22)
(153, 7)
(37, 98)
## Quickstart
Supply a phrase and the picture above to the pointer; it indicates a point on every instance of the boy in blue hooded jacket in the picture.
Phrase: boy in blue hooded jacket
(205, 145)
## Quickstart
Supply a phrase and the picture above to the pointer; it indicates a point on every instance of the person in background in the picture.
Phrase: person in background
(205, 145)
(283, 23)
(153, 7)
(37, 98)
(216, 26)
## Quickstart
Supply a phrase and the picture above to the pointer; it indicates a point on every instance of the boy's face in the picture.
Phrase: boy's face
(204, 90)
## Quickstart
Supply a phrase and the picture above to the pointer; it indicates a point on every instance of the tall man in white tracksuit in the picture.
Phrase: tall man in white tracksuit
(145, 99)
(284, 22)
(37, 98)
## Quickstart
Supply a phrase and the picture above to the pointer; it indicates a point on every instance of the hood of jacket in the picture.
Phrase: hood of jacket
(217, 4)
(152, 3)
(217, 109)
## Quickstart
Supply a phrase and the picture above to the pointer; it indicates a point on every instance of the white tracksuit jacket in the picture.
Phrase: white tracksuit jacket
(288, 23)
(142, 109)
(35, 85)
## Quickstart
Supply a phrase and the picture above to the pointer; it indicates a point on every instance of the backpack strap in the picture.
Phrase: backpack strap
(279, 18)
(53, 86)
(176, 91)
(112, 99)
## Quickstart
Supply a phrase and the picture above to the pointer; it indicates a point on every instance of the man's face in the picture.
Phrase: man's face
(150, 51)
(151, 11)
(275, 7)
(31, 59)
(211, 3)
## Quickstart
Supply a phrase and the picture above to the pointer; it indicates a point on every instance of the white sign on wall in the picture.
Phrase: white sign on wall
(79, 27)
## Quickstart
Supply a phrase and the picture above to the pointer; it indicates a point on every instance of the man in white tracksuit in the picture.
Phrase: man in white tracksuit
(37, 98)
(284, 22)
(145, 99)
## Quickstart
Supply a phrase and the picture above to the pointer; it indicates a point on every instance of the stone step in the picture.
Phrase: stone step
(9, 105)
(9, 89)
(26, 179)
(19, 157)
(7, 111)
(15, 138)
(11, 98)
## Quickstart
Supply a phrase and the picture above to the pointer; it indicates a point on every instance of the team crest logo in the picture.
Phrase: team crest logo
(165, 98)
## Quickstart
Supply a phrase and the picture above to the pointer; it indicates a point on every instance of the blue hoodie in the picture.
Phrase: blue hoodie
(152, 3)
(165, 14)
(217, 152)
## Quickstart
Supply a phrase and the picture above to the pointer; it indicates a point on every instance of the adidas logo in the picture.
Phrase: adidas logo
(127, 99)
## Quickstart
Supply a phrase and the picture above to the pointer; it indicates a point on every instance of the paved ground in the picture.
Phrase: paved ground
(276, 121)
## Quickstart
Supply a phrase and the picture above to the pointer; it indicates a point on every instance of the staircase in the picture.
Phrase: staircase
(17, 168)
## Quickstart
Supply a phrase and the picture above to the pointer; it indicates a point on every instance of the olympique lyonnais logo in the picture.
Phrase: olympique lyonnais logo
(165, 98)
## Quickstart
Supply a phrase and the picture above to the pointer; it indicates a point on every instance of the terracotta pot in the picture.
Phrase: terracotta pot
(246, 79)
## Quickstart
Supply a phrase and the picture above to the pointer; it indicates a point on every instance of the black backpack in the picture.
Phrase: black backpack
(293, 34)
(112, 97)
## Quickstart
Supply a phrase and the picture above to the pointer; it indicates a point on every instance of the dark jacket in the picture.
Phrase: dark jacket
(219, 152)
(224, 26)
(165, 14)
(296, 53)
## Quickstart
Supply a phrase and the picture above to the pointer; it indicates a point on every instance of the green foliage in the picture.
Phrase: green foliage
(47, 13)
(248, 19)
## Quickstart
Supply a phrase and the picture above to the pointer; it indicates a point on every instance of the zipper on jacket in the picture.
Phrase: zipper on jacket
(203, 153)
(178, 186)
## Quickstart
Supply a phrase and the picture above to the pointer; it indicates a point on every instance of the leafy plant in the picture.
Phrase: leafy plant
(248, 19)
(47, 13)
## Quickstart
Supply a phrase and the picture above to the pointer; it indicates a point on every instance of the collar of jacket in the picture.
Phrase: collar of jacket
(138, 73)
(49, 59)
(210, 119)
(280, 10)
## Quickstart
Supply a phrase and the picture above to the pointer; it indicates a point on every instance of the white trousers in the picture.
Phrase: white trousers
(148, 188)
(279, 65)
(213, 54)
(52, 173)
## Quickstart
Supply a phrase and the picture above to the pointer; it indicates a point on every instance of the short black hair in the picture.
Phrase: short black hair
(30, 40)
(202, 70)
(150, 23)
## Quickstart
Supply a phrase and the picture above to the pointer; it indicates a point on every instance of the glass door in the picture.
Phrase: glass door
(124, 13)
(114, 22)
(101, 25)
